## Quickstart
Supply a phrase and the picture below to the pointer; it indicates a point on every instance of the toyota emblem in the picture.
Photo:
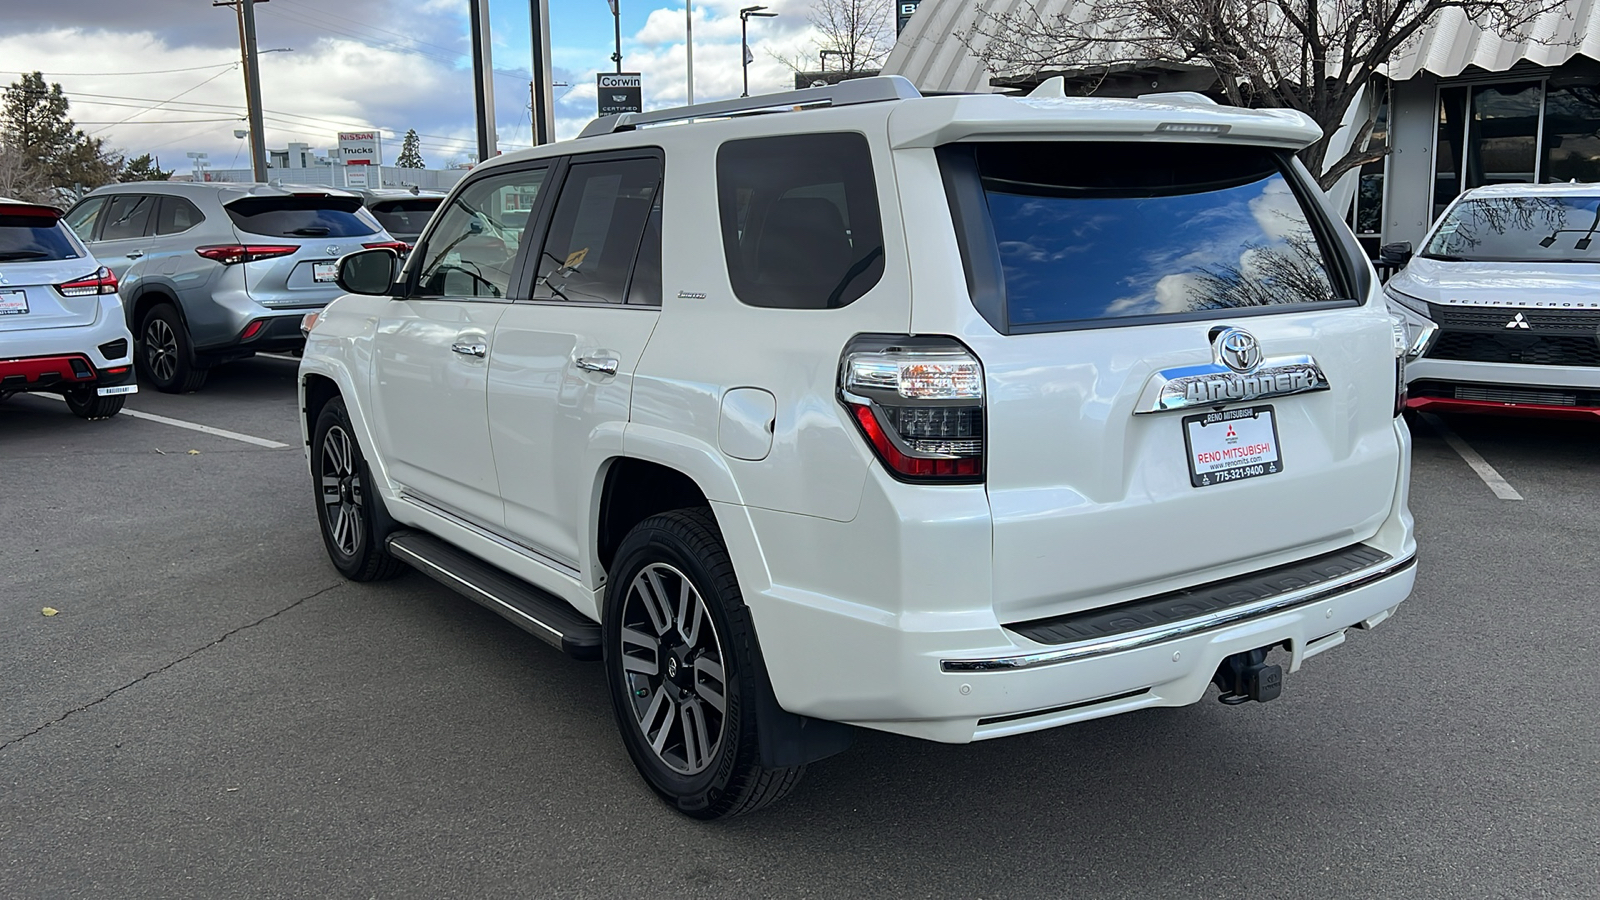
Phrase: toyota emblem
(333, 249)
(1238, 350)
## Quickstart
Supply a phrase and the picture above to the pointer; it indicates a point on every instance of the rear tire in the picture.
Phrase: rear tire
(678, 644)
(86, 404)
(345, 500)
(165, 355)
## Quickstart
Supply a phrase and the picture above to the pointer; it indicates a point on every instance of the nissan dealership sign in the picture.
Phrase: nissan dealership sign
(361, 148)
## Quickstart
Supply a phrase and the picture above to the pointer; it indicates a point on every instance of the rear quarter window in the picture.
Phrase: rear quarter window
(34, 238)
(800, 222)
(1060, 234)
(302, 216)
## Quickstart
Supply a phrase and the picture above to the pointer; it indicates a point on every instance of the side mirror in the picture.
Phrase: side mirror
(1395, 254)
(368, 272)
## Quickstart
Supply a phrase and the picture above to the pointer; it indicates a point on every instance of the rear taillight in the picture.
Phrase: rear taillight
(396, 246)
(101, 281)
(231, 254)
(919, 403)
(1402, 344)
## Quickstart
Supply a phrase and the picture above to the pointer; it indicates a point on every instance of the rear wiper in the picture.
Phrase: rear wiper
(312, 231)
(23, 254)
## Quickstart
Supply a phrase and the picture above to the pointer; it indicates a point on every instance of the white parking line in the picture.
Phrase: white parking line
(1496, 483)
(192, 426)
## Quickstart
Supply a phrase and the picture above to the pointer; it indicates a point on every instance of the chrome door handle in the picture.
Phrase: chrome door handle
(136, 254)
(605, 365)
(471, 348)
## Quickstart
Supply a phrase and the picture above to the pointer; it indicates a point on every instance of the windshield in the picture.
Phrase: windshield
(317, 216)
(1090, 231)
(1519, 229)
(26, 238)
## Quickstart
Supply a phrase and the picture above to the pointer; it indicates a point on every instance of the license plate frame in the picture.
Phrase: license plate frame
(13, 303)
(1214, 461)
(325, 272)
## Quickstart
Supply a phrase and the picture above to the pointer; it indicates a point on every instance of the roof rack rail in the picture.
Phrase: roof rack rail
(846, 93)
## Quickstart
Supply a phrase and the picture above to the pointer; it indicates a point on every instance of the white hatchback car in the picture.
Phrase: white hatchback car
(61, 324)
(1503, 303)
(958, 417)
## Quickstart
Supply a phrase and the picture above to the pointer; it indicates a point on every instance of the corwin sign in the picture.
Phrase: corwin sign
(361, 148)
(619, 92)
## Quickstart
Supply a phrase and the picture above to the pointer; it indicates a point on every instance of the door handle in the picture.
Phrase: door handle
(605, 365)
(471, 348)
(136, 254)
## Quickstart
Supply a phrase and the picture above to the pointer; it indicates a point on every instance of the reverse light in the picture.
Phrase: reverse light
(233, 254)
(918, 401)
(101, 281)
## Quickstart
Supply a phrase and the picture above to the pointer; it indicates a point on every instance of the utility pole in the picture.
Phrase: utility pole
(543, 111)
(482, 78)
(688, 43)
(252, 82)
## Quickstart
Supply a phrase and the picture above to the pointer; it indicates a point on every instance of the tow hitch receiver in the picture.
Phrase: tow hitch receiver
(1246, 676)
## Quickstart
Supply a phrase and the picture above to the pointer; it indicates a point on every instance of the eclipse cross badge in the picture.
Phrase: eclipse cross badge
(1517, 322)
(1238, 350)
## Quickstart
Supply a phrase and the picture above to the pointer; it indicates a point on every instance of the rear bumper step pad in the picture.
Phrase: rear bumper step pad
(529, 608)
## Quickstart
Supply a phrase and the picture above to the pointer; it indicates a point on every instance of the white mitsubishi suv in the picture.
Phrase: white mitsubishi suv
(957, 417)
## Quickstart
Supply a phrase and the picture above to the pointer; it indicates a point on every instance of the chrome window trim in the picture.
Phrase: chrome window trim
(1163, 633)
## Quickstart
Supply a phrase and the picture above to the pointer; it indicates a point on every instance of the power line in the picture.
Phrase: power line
(162, 121)
(119, 74)
(381, 44)
(166, 101)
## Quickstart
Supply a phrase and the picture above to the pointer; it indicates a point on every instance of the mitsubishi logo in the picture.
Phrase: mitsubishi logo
(1238, 350)
(1517, 322)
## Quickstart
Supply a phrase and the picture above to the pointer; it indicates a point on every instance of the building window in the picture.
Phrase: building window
(1572, 134)
(1501, 134)
(1367, 216)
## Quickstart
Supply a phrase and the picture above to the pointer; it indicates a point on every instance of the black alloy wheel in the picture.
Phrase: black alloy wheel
(683, 669)
(345, 505)
(165, 357)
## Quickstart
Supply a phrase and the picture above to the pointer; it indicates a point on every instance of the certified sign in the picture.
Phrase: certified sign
(619, 92)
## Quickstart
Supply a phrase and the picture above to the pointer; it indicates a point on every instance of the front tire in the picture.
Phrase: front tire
(681, 664)
(345, 499)
(85, 403)
(165, 353)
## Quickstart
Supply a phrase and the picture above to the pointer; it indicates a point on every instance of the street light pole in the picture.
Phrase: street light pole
(688, 44)
(616, 19)
(745, 15)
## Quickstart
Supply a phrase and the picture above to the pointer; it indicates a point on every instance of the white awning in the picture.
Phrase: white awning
(1451, 45)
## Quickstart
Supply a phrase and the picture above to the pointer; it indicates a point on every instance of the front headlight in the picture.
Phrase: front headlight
(1411, 315)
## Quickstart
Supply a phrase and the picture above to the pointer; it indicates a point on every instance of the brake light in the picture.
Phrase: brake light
(396, 246)
(101, 281)
(919, 403)
(232, 254)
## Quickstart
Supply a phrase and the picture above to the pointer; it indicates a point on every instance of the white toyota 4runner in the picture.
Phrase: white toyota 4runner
(957, 417)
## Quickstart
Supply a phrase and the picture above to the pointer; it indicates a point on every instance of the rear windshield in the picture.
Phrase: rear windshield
(404, 216)
(302, 216)
(24, 238)
(1519, 229)
(1085, 232)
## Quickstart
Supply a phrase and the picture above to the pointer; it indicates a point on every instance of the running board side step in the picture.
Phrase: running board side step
(535, 611)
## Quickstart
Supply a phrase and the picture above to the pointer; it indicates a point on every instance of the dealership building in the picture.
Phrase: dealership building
(1458, 106)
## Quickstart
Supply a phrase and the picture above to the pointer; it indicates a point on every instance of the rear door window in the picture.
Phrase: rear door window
(314, 216)
(128, 216)
(1061, 234)
(83, 217)
(596, 229)
(33, 237)
(800, 220)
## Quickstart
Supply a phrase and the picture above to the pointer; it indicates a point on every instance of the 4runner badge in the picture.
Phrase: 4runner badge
(1238, 374)
(1517, 321)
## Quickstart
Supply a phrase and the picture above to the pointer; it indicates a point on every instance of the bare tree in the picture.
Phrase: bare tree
(856, 35)
(1311, 55)
(21, 181)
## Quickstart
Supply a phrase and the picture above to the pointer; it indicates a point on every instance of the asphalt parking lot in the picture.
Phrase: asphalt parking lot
(214, 712)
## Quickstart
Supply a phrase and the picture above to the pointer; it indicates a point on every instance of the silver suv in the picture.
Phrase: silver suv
(212, 273)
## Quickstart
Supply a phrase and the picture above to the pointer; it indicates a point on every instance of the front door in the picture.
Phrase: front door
(561, 369)
(432, 348)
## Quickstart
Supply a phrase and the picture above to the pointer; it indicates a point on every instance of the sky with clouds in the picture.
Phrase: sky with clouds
(356, 64)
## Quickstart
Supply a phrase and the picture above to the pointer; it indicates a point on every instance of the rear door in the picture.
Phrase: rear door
(37, 253)
(561, 369)
(310, 231)
(432, 345)
(1111, 275)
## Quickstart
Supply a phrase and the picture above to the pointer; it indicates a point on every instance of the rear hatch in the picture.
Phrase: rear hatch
(1111, 269)
(37, 253)
(297, 238)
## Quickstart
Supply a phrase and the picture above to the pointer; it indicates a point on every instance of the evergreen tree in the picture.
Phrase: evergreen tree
(410, 151)
(34, 121)
(144, 168)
